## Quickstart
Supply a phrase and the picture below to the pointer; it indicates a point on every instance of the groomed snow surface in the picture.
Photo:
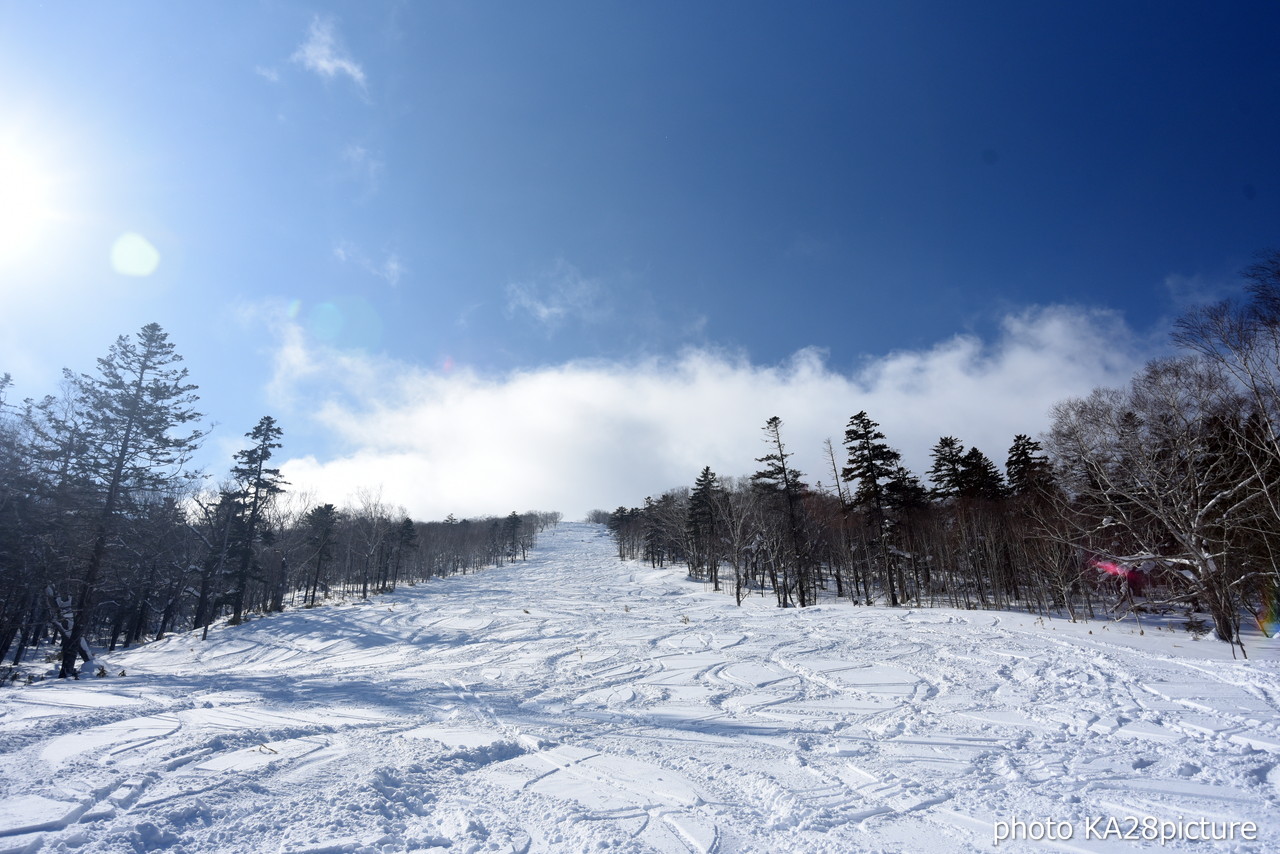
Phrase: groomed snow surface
(579, 703)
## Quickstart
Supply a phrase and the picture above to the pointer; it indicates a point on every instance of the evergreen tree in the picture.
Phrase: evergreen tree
(945, 473)
(702, 528)
(25, 526)
(777, 476)
(406, 540)
(626, 526)
(663, 525)
(903, 491)
(255, 486)
(128, 429)
(780, 480)
(1027, 469)
(979, 477)
(872, 464)
(322, 526)
(871, 461)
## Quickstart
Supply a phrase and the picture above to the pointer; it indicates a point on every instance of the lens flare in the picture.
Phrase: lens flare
(1271, 610)
(133, 255)
(345, 322)
(1134, 579)
(1111, 568)
(325, 322)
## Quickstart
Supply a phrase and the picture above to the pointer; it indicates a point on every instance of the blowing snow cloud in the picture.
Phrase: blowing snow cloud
(587, 434)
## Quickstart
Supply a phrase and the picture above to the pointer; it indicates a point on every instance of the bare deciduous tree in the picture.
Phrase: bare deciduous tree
(1154, 477)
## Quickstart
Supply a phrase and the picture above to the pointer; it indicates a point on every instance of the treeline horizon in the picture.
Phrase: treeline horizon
(1163, 494)
(107, 539)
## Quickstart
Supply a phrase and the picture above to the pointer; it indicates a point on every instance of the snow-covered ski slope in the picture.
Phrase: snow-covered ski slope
(577, 703)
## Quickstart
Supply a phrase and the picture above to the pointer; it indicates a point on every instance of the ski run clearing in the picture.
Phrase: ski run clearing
(579, 703)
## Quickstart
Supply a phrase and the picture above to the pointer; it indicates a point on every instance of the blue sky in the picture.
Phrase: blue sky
(560, 255)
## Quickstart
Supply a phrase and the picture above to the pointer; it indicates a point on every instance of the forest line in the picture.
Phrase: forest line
(1160, 495)
(108, 539)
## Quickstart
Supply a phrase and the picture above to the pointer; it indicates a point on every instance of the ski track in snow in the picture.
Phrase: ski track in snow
(579, 703)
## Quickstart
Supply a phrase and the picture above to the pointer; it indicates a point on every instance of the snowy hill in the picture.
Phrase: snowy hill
(577, 703)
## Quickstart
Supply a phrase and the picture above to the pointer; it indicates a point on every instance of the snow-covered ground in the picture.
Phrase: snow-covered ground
(577, 703)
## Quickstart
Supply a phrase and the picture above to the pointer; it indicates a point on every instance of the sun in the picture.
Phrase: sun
(27, 200)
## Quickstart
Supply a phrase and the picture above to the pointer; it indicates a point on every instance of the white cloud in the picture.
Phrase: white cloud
(391, 268)
(324, 53)
(598, 434)
(1188, 292)
(558, 296)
